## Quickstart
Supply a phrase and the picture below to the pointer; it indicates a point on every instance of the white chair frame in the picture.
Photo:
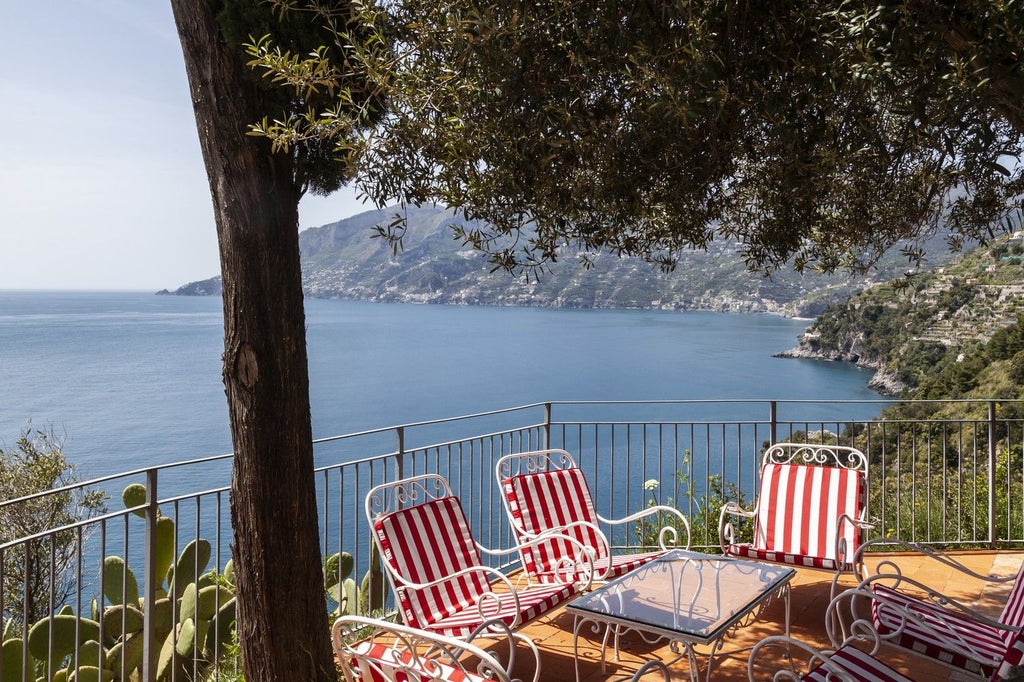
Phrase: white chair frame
(551, 459)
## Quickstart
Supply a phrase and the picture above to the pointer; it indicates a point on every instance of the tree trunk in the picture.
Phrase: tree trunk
(282, 613)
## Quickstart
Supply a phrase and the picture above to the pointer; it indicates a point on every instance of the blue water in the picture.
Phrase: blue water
(133, 379)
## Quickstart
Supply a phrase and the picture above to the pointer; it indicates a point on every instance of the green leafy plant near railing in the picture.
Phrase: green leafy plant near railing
(702, 509)
(921, 503)
(37, 573)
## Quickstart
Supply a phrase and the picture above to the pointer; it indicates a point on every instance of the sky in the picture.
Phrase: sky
(102, 183)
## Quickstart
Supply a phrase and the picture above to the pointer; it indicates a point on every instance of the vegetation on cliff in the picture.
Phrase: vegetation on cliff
(951, 332)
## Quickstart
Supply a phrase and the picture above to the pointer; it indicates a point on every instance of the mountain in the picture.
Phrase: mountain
(910, 330)
(342, 260)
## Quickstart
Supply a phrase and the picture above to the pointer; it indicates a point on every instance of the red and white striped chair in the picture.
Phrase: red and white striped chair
(370, 650)
(811, 509)
(911, 615)
(544, 492)
(434, 564)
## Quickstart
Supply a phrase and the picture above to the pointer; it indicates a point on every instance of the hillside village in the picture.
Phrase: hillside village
(998, 296)
(342, 260)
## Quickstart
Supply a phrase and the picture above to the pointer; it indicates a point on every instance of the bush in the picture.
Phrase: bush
(35, 464)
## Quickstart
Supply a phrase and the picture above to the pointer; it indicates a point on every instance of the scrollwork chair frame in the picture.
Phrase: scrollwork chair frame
(370, 649)
(914, 616)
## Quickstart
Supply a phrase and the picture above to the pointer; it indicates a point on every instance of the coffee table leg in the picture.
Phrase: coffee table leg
(596, 628)
(786, 597)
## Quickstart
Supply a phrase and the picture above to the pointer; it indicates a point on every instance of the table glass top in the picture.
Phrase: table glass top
(692, 594)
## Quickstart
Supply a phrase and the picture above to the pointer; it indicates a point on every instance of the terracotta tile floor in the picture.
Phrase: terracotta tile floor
(810, 589)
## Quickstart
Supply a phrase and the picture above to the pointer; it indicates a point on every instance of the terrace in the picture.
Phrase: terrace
(951, 484)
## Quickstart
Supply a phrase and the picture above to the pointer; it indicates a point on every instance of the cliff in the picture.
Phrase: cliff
(906, 328)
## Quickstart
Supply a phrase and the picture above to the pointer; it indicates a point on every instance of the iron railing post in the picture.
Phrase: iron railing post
(400, 453)
(992, 473)
(773, 421)
(149, 644)
(547, 425)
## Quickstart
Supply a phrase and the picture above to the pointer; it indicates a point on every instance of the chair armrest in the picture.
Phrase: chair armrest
(842, 550)
(927, 594)
(561, 531)
(578, 570)
(726, 531)
(943, 630)
(845, 627)
(894, 544)
(492, 573)
(487, 603)
(668, 536)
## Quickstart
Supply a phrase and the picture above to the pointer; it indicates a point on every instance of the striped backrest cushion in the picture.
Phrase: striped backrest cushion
(1013, 615)
(544, 500)
(1013, 612)
(799, 508)
(425, 543)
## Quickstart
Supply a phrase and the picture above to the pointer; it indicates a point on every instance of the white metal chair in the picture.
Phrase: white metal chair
(371, 650)
(854, 658)
(913, 616)
(811, 509)
(848, 663)
(544, 492)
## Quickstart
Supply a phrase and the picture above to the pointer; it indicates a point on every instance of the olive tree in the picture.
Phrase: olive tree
(282, 613)
(814, 133)
(40, 492)
(817, 133)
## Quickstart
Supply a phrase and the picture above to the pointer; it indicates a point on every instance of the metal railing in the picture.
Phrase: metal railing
(956, 482)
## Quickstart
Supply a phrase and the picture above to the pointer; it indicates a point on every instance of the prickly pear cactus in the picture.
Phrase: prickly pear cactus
(193, 615)
(374, 588)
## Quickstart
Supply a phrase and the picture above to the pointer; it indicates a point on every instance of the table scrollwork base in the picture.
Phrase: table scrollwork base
(682, 647)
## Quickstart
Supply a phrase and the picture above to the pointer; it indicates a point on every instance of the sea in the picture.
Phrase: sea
(132, 379)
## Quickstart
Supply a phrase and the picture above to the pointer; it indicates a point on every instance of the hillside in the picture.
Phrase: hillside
(939, 320)
(342, 260)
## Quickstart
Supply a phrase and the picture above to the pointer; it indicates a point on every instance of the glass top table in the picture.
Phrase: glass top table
(686, 597)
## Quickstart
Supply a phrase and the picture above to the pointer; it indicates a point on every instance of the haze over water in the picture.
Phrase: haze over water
(133, 379)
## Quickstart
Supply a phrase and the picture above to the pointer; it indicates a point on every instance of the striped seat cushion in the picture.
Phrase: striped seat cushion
(431, 541)
(932, 625)
(621, 564)
(798, 518)
(859, 665)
